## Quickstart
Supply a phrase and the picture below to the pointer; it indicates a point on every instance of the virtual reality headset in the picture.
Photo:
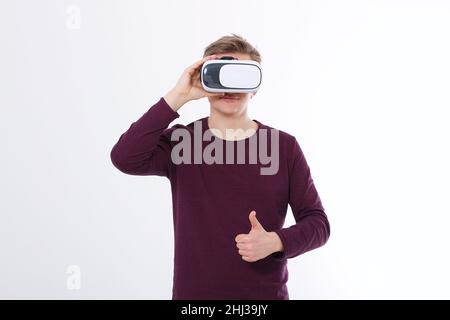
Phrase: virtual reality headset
(228, 74)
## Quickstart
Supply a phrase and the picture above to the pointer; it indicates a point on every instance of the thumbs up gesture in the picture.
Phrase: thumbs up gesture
(258, 243)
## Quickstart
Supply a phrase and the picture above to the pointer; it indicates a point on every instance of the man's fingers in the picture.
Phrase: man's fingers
(254, 221)
(242, 245)
(197, 64)
(247, 258)
(241, 238)
(244, 252)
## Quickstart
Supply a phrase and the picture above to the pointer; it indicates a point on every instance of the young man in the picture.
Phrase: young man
(228, 216)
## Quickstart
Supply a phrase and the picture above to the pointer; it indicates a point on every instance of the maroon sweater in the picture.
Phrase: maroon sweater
(212, 202)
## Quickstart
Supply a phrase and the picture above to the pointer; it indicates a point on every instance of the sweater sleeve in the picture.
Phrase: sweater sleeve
(312, 228)
(144, 149)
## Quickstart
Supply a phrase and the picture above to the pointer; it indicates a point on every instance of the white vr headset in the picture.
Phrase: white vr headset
(228, 75)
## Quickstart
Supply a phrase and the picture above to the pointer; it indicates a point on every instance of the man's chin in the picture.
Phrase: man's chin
(228, 108)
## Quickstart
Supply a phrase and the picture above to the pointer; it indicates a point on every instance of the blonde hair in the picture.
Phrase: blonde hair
(233, 43)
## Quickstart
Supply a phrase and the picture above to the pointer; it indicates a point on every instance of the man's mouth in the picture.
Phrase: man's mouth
(230, 97)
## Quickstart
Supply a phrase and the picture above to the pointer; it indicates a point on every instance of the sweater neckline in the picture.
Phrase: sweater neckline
(206, 127)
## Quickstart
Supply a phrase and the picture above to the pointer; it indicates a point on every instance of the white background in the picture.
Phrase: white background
(363, 85)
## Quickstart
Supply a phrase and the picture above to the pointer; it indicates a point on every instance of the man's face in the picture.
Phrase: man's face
(228, 102)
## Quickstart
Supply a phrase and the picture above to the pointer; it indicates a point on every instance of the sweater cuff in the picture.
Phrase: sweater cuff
(166, 111)
(281, 255)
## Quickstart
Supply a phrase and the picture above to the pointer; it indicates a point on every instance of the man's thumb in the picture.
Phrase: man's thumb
(254, 222)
